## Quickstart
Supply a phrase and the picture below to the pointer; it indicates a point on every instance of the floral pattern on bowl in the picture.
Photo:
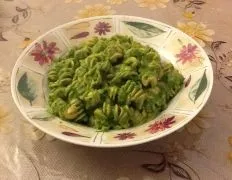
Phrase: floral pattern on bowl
(41, 53)
(185, 54)
(29, 76)
(165, 122)
(76, 33)
(29, 85)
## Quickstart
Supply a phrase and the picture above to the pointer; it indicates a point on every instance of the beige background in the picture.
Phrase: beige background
(27, 153)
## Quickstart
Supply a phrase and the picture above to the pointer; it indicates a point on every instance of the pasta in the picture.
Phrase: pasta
(111, 83)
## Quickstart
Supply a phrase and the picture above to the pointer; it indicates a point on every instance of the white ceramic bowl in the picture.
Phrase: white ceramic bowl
(29, 75)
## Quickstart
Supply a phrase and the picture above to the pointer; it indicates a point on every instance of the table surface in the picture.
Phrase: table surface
(201, 150)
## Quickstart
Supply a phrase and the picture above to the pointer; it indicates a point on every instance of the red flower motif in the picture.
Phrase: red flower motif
(161, 125)
(102, 28)
(124, 136)
(187, 53)
(44, 52)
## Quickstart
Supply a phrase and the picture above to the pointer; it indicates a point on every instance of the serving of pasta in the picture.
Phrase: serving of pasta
(111, 83)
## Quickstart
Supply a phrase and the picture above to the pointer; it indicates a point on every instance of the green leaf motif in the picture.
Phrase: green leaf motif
(198, 88)
(42, 116)
(143, 30)
(26, 88)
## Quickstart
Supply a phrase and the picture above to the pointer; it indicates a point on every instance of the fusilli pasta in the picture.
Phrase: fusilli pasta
(111, 83)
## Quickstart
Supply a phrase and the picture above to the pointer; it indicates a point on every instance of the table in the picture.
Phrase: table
(201, 150)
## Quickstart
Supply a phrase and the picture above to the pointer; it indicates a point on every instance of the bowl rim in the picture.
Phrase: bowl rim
(116, 145)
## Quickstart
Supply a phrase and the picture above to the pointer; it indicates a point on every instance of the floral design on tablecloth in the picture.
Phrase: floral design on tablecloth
(173, 160)
(70, 1)
(196, 4)
(4, 120)
(152, 4)
(197, 31)
(21, 13)
(4, 81)
(116, 2)
(230, 143)
(190, 8)
(26, 42)
(95, 10)
(221, 57)
(5, 117)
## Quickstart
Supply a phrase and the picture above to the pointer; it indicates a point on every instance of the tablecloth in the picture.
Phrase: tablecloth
(201, 150)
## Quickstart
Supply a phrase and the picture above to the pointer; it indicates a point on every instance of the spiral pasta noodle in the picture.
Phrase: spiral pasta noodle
(111, 83)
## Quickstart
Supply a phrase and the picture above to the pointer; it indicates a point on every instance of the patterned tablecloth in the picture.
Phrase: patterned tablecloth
(201, 150)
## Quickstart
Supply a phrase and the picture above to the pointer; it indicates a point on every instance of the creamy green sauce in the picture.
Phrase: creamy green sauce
(111, 83)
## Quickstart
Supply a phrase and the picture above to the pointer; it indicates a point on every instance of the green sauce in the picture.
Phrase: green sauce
(111, 83)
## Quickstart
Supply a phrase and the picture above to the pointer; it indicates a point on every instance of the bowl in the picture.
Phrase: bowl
(29, 90)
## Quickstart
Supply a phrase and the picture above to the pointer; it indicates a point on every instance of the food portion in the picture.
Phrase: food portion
(111, 83)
